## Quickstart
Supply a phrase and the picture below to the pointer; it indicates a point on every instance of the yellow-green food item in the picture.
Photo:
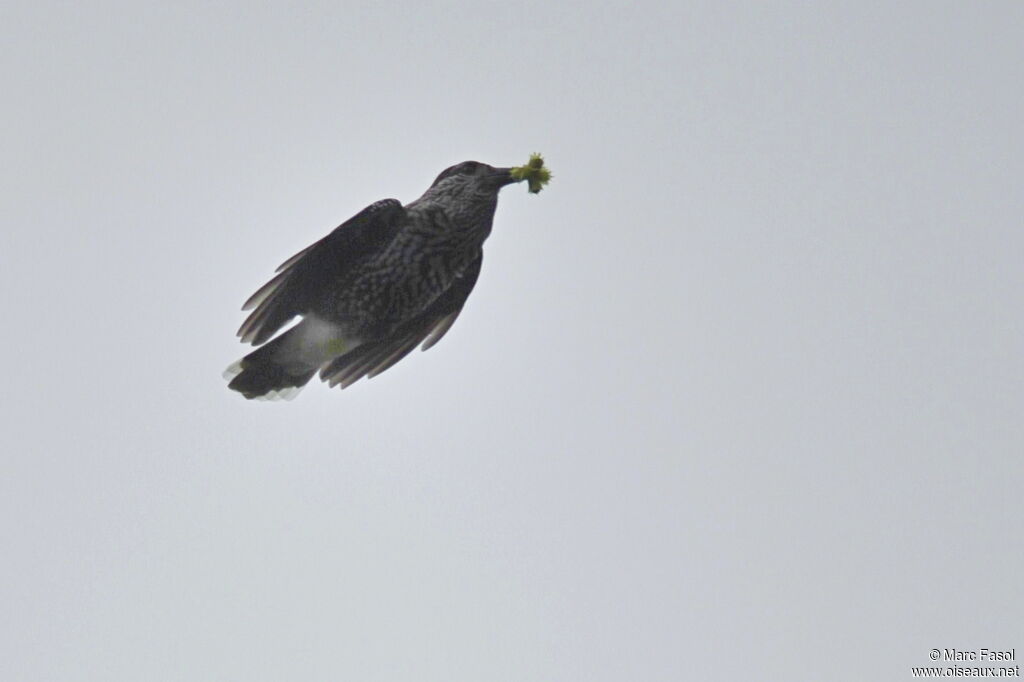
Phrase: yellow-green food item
(534, 172)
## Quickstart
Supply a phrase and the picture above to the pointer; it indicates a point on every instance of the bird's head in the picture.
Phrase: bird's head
(473, 177)
(467, 193)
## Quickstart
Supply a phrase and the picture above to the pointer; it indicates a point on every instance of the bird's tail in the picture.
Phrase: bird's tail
(281, 367)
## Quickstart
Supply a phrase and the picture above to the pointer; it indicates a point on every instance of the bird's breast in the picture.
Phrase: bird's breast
(419, 265)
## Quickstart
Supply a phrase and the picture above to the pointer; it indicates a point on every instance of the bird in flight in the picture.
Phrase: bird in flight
(384, 281)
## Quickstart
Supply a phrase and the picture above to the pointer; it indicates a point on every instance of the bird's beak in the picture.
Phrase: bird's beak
(501, 177)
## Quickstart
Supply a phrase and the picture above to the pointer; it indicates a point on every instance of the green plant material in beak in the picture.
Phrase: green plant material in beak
(534, 172)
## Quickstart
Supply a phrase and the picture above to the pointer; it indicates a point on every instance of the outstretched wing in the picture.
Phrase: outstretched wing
(304, 277)
(373, 357)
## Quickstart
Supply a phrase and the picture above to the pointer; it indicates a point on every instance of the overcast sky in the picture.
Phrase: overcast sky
(739, 396)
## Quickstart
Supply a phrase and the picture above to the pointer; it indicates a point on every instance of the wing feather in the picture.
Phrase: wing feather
(374, 357)
(302, 280)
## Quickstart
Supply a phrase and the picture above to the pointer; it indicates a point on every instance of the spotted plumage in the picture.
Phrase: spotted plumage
(385, 281)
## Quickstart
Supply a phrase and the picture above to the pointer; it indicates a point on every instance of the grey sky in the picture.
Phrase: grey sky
(739, 396)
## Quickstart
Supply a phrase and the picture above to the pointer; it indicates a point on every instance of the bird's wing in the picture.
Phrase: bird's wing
(373, 357)
(304, 277)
